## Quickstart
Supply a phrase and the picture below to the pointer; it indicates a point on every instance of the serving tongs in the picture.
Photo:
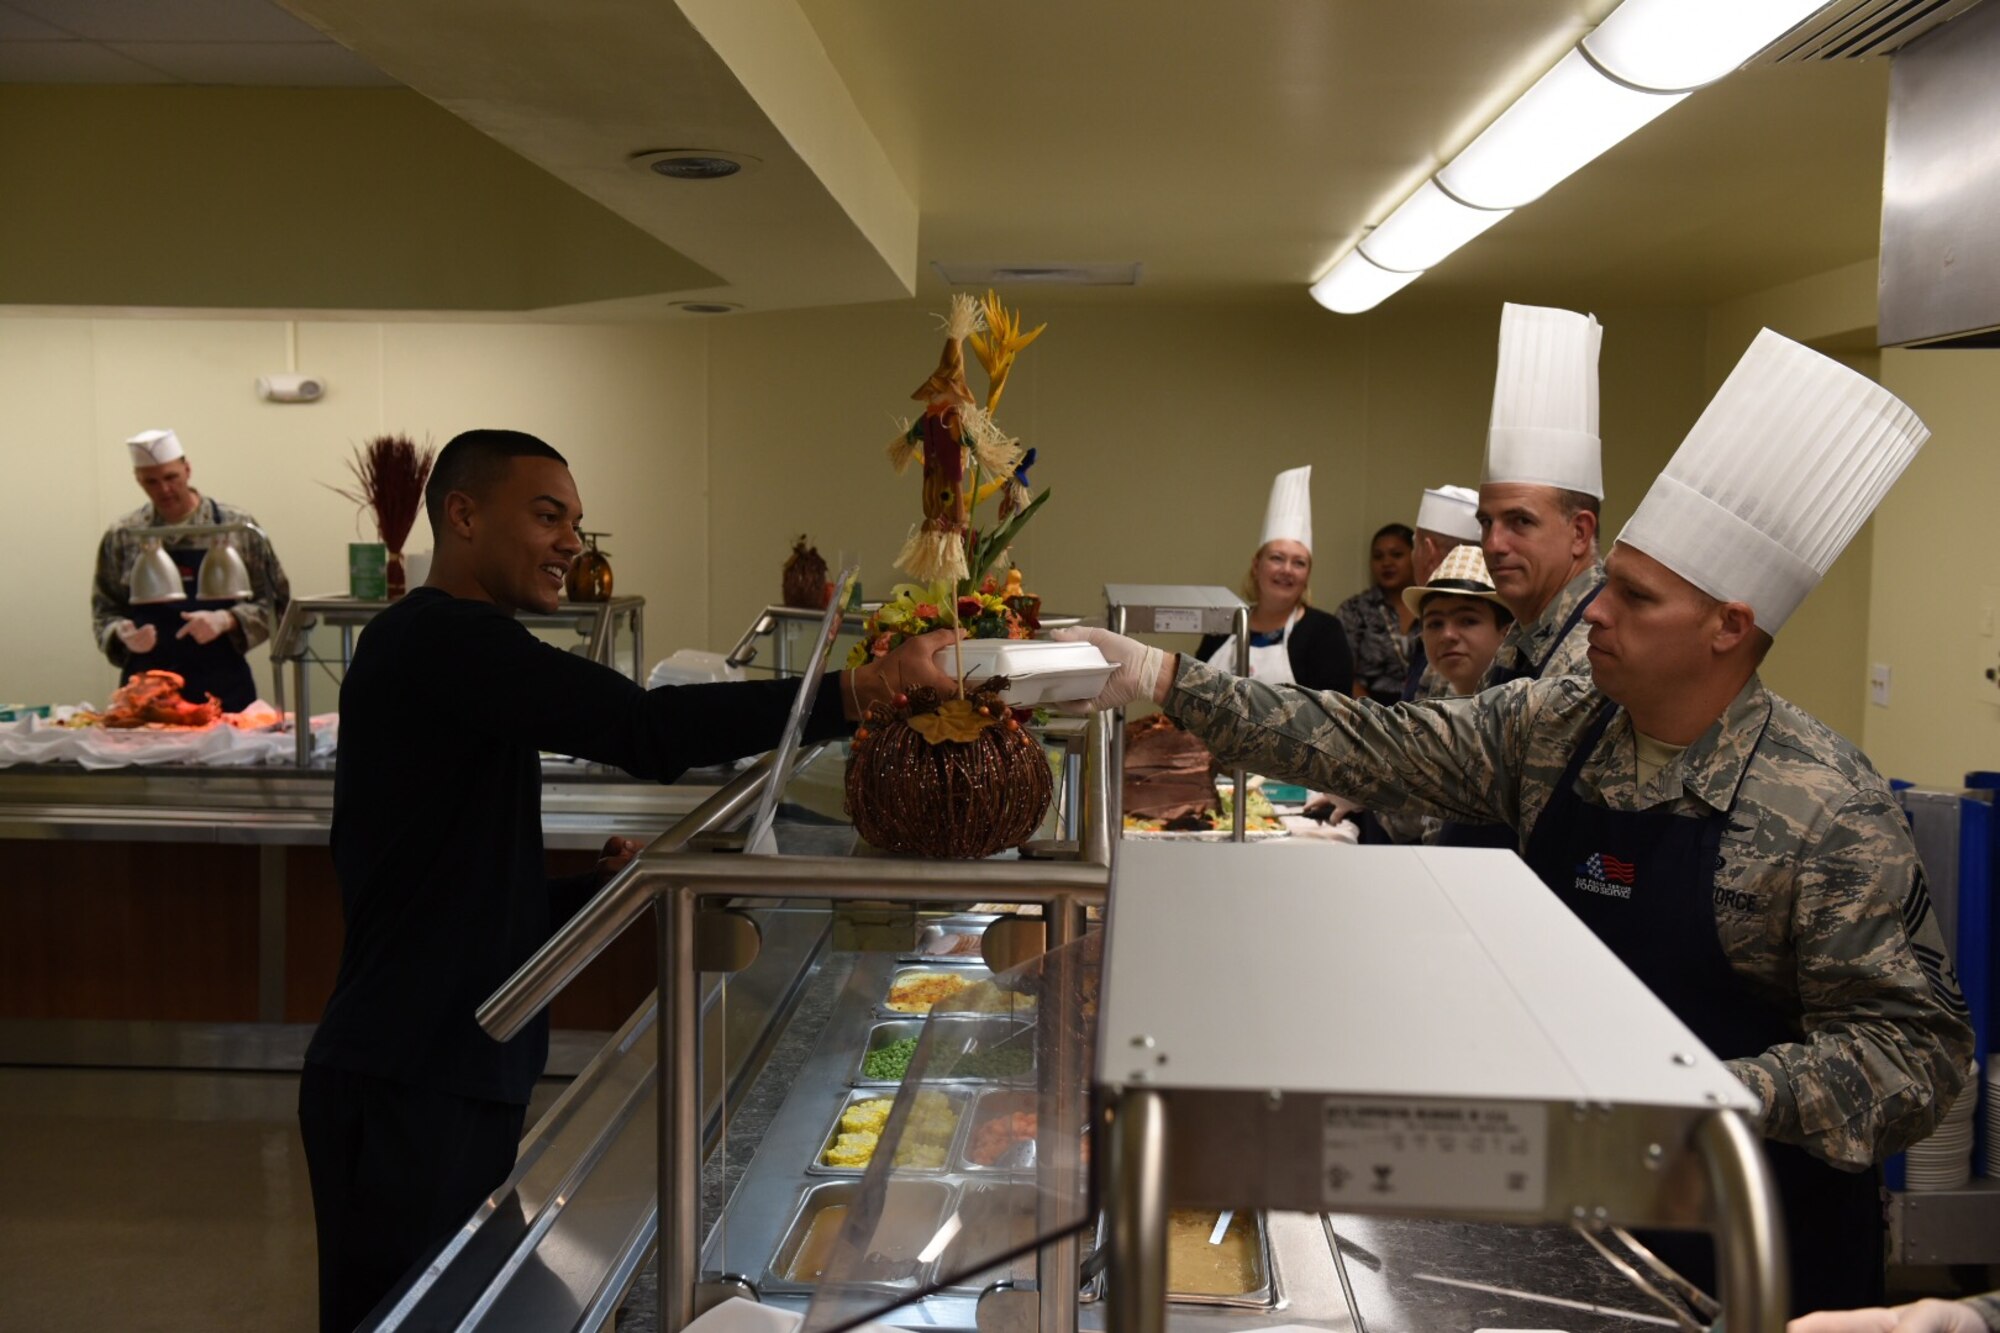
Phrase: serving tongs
(1695, 1310)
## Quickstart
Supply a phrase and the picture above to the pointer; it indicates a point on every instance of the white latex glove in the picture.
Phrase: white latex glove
(136, 638)
(1137, 676)
(206, 626)
(1926, 1316)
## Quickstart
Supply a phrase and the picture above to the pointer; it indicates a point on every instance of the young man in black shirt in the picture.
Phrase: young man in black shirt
(410, 1113)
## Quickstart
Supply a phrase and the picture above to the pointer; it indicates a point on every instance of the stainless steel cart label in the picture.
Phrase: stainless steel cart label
(1176, 620)
(1461, 1155)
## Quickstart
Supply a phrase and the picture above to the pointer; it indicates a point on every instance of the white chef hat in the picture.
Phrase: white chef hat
(1450, 511)
(1544, 427)
(1289, 515)
(1787, 462)
(150, 448)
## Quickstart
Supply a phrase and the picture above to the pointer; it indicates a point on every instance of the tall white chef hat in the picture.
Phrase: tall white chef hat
(1450, 511)
(1289, 515)
(1544, 427)
(1786, 463)
(153, 447)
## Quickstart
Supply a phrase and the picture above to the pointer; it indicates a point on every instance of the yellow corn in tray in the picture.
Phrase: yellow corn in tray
(926, 1134)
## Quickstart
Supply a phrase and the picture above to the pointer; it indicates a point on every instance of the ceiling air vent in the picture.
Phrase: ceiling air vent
(1040, 275)
(1856, 29)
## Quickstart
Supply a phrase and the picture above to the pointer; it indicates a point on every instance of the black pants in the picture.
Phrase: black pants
(395, 1171)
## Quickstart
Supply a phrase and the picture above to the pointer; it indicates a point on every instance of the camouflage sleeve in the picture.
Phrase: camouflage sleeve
(107, 599)
(1456, 758)
(271, 592)
(1571, 656)
(1886, 1044)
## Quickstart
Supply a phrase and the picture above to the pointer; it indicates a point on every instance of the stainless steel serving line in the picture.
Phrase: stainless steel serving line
(689, 889)
(1416, 1031)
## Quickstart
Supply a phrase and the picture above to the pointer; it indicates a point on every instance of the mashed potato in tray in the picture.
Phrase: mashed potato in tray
(926, 1134)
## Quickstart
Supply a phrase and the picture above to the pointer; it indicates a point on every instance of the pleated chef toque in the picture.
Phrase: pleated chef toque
(1450, 511)
(150, 448)
(1289, 515)
(1786, 463)
(1544, 427)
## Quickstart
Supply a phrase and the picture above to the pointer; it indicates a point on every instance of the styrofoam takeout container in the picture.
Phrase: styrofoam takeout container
(1038, 671)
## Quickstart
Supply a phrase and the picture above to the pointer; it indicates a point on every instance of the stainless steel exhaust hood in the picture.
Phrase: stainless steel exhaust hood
(1940, 274)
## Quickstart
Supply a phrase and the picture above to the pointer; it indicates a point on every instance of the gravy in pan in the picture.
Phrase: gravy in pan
(1196, 1268)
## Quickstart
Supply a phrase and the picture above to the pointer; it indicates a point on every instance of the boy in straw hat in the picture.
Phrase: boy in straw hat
(1743, 860)
(1447, 518)
(1540, 489)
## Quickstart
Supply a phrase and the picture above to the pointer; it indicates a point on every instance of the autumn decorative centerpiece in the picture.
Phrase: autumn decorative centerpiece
(389, 476)
(958, 777)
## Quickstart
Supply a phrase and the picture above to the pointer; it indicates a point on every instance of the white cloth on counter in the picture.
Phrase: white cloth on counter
(34, 740)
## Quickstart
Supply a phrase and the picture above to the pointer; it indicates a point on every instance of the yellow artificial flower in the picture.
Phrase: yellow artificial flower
(997, 347)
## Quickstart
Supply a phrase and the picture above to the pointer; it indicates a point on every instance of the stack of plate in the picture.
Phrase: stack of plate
(1944, 1160)
(1992, 1121)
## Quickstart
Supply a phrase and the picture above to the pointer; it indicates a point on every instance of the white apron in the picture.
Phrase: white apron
(1272, 665)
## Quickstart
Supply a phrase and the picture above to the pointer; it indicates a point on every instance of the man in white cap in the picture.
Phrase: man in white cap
(1447, 517)
(1541, 487)
(203, 639)
(1741, 858)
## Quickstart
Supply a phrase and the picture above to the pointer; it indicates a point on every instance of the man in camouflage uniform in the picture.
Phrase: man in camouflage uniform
(204, 641)
(1540, 488)
(1741, 858)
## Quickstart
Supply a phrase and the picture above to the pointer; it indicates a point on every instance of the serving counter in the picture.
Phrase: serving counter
(179, 895)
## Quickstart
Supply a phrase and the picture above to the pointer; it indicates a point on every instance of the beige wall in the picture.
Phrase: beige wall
(625, 403)
(1935, 586)
(1159, 431)
(705, 449)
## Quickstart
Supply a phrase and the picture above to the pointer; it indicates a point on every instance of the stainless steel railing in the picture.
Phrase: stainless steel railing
(673, 876)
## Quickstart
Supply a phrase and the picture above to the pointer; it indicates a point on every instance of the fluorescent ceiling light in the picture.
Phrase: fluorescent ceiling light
(1572, 114)
(1354, 285)
(1675, 45)
(1430, 225)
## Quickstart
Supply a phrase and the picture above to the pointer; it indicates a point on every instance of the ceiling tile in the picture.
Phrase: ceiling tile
(259, 64)
(178, 21)
(70, 62)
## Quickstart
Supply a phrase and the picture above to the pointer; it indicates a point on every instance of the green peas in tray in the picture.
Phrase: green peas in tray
(889, 1063)
(967, 1050)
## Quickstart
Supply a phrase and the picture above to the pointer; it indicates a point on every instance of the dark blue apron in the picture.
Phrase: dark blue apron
(1413, 678)
(1534, 670)
(210, 669)
(1644, 882)
(1500, 835)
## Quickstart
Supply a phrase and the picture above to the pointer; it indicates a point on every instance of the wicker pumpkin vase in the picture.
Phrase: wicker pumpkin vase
(958, 778)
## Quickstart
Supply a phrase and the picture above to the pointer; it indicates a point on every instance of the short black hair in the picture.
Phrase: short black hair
(1401, 530)
(473, 460)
